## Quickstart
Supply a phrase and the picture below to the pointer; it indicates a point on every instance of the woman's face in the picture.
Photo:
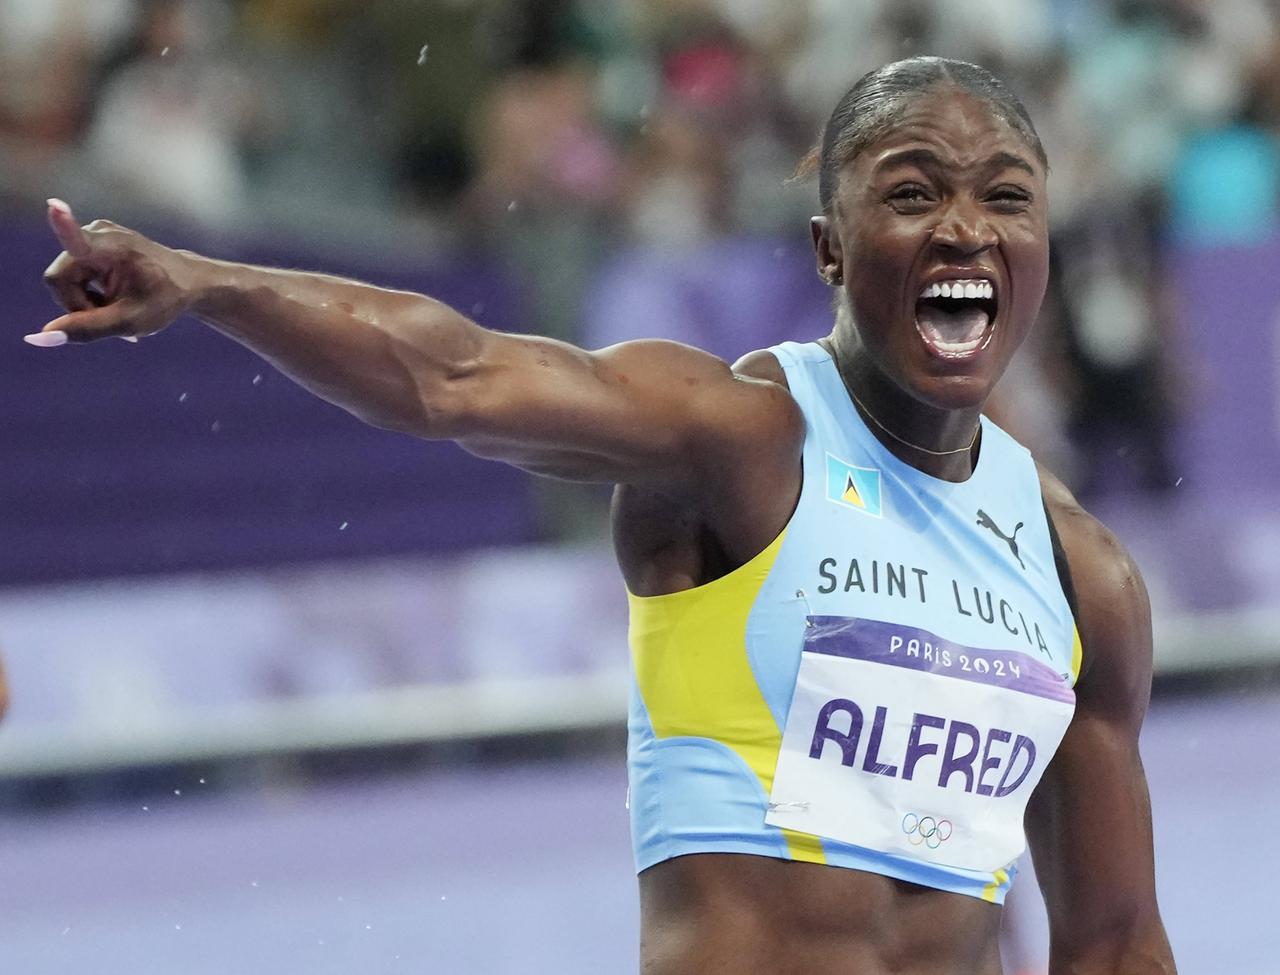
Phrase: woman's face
(951, 201)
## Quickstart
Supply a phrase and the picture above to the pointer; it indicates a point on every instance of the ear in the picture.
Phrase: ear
(827, 248)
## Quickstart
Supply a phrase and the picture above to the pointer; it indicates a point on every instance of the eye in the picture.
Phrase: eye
(909, 198)
(1010, 199)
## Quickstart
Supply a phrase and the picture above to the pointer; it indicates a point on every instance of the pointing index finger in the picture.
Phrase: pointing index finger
(69, 233)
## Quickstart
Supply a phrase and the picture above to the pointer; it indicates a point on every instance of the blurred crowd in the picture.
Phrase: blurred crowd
(565, 133)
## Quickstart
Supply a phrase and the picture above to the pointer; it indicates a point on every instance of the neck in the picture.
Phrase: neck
(940, 443)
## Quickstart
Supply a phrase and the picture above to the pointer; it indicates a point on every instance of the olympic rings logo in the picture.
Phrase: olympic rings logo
(926, 830)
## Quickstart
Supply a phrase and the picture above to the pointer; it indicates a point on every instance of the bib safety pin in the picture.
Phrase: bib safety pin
(800, 594)
(801, 806)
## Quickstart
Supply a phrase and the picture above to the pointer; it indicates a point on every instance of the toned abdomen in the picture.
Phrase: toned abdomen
(751, 915)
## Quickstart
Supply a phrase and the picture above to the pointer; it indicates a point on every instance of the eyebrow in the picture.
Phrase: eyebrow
(928, 159)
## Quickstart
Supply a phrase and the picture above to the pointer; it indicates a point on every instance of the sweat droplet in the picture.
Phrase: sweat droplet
(342, 527)
(216, 426)
(257, 380)
(1177, 482)
(511, 207)
(182, 398)
(177, 792)
(164, 53)
(422, 56)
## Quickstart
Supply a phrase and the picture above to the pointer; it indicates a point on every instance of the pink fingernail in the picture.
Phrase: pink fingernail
(46, 340)
(57, 204)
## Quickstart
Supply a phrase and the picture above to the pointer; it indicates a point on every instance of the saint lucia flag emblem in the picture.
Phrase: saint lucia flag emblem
(854, 487)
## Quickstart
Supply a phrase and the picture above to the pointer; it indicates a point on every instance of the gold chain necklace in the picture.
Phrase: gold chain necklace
(908, 443)
(835, 358)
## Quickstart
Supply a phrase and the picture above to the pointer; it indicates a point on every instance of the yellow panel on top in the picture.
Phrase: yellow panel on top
(689, 651)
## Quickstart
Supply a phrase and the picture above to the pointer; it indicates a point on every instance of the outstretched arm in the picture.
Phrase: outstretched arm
(1089, 821)
(656, 414)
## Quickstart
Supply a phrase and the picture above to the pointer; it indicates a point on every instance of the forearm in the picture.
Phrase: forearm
(407, 362)
(1138, 950)
(392, 358)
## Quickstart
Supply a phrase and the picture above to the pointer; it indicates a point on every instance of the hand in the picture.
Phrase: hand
(111, 281)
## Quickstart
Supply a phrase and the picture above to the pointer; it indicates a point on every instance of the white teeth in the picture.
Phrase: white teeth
(977, 288)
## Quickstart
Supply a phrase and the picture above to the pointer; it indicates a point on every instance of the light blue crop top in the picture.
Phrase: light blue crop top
(910, 747)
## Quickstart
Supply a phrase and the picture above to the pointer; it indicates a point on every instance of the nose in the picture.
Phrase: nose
(964, 230)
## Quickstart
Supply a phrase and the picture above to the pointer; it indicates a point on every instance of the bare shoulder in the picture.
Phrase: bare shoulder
(752, 447)
(1082, 534)
(1101, 566)
(763, 365)
(675, 361)
(746, 405)
(762, 371)
(1114, 609)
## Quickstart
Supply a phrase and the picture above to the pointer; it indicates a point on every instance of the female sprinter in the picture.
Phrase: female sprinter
(868, 635)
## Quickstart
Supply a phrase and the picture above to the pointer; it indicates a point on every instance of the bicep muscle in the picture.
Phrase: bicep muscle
(650, 413)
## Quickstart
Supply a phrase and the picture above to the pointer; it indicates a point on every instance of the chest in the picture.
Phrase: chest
(972, 566)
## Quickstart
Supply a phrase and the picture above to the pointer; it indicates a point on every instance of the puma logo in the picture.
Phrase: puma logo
(985, 521)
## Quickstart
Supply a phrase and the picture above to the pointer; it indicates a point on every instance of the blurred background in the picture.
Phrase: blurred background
(290, 694)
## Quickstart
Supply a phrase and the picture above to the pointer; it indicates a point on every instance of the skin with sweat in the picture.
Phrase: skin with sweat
(951, 192)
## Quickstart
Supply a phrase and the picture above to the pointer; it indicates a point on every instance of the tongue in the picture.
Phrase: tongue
(955, 332)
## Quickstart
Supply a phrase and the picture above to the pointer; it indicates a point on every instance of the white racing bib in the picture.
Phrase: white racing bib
(902, 742)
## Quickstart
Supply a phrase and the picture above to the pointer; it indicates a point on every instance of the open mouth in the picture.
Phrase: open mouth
(956, 318)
